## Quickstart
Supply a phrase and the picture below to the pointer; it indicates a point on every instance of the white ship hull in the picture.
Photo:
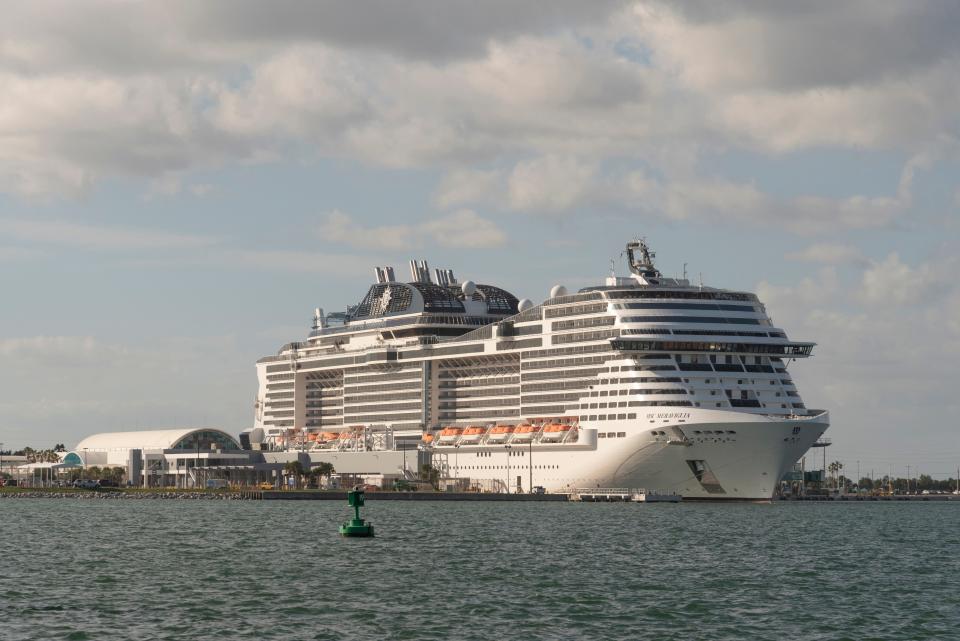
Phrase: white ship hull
(743, 465)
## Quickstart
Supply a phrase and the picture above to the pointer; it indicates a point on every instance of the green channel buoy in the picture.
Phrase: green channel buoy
(356, 526)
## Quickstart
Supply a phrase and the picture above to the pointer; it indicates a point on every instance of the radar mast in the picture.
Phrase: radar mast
(642, 265)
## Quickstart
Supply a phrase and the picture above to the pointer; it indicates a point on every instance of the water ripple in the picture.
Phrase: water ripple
(263, 570)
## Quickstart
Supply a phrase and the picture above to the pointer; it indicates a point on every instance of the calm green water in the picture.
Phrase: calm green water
(278, 570)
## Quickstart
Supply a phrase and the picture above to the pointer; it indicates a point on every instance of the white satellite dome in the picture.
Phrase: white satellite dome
(558, 290)
(256, 435)
(468, 288)
(524, 304)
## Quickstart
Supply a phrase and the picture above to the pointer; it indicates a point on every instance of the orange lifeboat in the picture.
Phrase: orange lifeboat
(328, 436)
(450, 434)
(312, 436)
(473, 434)
(555, 431)
(500, 433)
(524, 433)
(427, 437)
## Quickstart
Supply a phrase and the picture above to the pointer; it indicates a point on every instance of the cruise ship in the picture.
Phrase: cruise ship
(644, 381)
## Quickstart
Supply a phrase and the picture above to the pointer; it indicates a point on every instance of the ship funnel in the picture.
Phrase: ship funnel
(420, 271)
(384, 274)
(445, 277)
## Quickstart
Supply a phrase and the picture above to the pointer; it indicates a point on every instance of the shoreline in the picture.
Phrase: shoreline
(122, 495)
(262, 495)
(140, 494)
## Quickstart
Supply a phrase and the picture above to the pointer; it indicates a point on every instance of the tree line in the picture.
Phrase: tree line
(920, 483)
(50, 455)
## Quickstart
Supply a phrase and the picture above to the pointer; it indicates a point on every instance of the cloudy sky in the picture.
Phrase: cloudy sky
(181, 183)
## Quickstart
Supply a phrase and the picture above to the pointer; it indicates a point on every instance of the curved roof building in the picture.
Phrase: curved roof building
(182, 457)
(183, 438)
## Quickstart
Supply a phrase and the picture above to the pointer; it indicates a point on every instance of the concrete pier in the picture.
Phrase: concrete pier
(307, 495)
(858, 498)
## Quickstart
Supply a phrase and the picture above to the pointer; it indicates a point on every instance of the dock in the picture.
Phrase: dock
(336, 495)
(855, 498)
(623, 495)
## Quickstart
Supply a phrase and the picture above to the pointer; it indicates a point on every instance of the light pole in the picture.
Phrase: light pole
(508, 448)
(530, 463)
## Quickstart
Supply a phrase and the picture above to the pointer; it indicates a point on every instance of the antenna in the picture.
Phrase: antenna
(701, 279)
(613, 267)
(684, 271)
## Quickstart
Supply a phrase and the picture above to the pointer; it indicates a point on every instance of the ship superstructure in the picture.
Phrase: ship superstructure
(644, 381)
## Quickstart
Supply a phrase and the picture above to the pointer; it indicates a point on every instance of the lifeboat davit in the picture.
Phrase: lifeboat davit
(500, 433)
(473, 434)
(554, 431)
(524, 433)
(449, 435)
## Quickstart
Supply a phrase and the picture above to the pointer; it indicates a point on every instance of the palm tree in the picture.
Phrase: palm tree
(294, 469)
(430, 474)
(835, 469)
(324, 469)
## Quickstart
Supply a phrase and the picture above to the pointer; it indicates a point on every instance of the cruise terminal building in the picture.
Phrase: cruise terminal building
(184, 457)
(198, 456)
